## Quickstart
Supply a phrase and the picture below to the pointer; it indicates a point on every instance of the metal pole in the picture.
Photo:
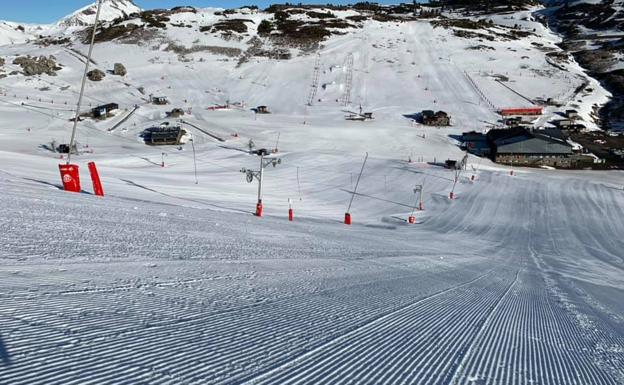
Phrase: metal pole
(84, 81)
(261, 178)
(299, 185)
(357, 183)
(457, 175)
(511, 162)
(277, 143)
(413, 208)
(194, 161)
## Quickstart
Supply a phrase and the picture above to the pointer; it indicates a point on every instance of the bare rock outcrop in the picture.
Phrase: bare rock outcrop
(32, 66)
(96, 75)
(119, 70)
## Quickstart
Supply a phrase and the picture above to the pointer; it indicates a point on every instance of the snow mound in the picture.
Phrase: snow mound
(111, 10)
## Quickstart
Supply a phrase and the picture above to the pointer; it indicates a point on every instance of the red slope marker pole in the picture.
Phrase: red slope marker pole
(95, 179)
(259, 208)
(291, 213)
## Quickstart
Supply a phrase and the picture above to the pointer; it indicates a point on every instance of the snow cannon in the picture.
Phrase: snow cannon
(70, 176)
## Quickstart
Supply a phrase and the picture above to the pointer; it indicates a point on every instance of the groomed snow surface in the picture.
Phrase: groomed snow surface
(167, 281)
(518, 281)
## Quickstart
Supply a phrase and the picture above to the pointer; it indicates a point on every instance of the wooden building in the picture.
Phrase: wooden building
(163, 135)
(431, 118)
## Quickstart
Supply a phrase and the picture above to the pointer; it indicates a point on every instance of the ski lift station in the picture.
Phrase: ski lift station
(160, 100)
(101, 112)
(164, 135)
(360, 117)
(262, 110)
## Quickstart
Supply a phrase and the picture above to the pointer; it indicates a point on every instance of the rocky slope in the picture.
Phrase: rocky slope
(593, 32)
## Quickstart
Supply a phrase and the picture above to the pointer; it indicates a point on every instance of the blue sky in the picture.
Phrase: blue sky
(47, 11)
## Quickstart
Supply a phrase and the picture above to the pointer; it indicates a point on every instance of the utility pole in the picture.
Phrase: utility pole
(259, 175)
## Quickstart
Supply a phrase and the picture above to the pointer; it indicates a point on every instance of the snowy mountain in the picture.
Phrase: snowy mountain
(111, 10)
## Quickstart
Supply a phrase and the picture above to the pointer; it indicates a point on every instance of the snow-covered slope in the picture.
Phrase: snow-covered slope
(13, 33)
(518, 281)
(111, 9)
